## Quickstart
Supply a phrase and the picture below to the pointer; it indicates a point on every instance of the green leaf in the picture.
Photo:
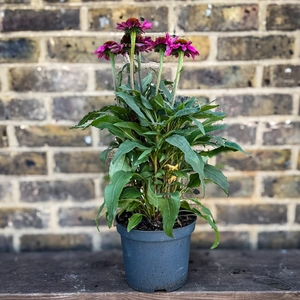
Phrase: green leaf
(133, 221)
(229, 146)
(217, 177)
(157, 102)
(151, 196)
(165, 90)
(207, 215)
(128, 205)
(131, 125)
(169, 208)
(199, 125)
(130, 101)
(120, 163)
(126, 147)
(113, 191)
(194, 181)
(100, 214)
(104, 153)
(146, 81)
(191, 157)
(130, 192)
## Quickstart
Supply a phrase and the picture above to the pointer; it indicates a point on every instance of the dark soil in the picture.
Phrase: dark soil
(184, 219)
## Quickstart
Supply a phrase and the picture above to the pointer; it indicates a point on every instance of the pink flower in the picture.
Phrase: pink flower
(160, 43)
(174, 45)
(142, 44)
(108, 47)
(133, 24)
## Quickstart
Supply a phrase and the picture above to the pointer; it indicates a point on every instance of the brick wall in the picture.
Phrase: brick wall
(51, 180)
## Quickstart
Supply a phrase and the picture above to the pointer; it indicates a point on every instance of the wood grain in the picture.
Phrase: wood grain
(216, 274)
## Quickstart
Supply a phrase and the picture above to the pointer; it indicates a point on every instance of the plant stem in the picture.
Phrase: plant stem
(179, 69)
(139, 72)
(131, 56)
(161, 62)
(113, 69)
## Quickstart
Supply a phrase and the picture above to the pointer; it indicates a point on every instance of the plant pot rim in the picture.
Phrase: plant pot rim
(155, 235)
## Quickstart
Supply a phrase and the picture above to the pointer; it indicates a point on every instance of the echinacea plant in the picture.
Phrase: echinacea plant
(162, 142)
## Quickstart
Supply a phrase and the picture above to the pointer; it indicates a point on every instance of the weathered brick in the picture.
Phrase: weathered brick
(23, 109)
(14, 1)
(228, 240)
(281, 187)
(23, 163)
(55, 242)
(282, 76)
(218, 17)
(74, 49)
(279, 240)
(40, 191)
(239, 187)
(252, 214)
(41, 79)
(52, 135)
(251, 47)
(2, 108)
(297, 217)
(3, 137)
(78, 162)
(6, 243)
(256, 105)
(6, 192)
(74, 108)
(217, 77)
(260, 160)
(283, 17)
(18, 50)
(77, 216)
(104, 80)
(282, 134)
(23, 218)
(35, 20)
(243, 134)
(105, 19)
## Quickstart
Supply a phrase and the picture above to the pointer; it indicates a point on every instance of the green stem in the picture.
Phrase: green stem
(161, 62)
(113, 69)
(131, 56)
(139, 71)
(179, 69)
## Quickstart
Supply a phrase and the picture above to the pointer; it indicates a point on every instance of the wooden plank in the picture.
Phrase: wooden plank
(215, 274)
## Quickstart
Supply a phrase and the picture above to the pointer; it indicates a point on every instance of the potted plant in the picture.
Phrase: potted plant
(159, 159)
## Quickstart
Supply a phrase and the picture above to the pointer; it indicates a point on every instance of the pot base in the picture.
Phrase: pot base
(155, 262)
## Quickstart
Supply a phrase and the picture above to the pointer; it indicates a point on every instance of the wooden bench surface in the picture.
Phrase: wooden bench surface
(213, 274)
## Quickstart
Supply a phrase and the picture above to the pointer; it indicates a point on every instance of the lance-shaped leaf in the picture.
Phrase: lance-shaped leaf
(112, 193)
(129, 100)
(191, 157)
(151, 196)
(207, 215)
(120, 163)
(228, 146)
(217, 177)
(126, 147)
(133, 221)
(169, 208)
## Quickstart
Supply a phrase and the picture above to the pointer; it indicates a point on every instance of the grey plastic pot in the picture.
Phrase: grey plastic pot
(153, 261)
